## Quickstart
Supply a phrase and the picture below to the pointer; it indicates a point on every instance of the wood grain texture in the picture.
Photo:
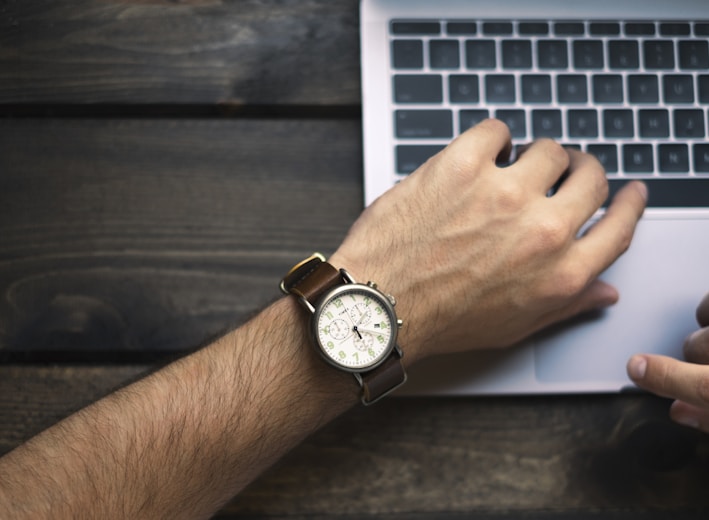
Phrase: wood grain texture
(533, 457)
(130, 233)
(157, 234)
(249, 52)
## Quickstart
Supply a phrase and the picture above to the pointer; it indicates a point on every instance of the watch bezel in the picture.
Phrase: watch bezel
(388, 308)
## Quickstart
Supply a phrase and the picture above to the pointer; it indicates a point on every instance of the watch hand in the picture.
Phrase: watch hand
(356, 330)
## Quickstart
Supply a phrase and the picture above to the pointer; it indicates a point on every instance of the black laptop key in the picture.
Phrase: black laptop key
(407, 54)
(659, 54)
(623, 54)
(568, 28)
(689, 123)
(700, 151)
(608, 88)
(497, 28)
(410, 157)
(536, 88)
(703, 86)
(500, 88)
(424, 124)
(553, 54)
(418, 88)
(546, 123)
(465, 28)
(694, 55)
(444, 54)
(604, 28)
(639, 29)
(673, 158)
(678, 88)
(670, 193)
(533, 28)
(588, 54)
(572, 88)
(470, 118)
(411, 27)
(480, 54)
(674, 29)
(642, 88)
(517, 54)
(582, 123)
(701, 29)
(515, 119)
(464, 88)
(654, 123)
(607, 155)
(618, 123)
(637, 158)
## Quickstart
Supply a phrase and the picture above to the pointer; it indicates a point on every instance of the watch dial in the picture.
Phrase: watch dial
(354, 328)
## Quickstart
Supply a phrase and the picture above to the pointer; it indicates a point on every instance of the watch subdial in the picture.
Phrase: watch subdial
(363, 342)
(360, 314)
(339, 329)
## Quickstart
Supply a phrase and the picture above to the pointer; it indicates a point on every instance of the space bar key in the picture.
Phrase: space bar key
(670, 193)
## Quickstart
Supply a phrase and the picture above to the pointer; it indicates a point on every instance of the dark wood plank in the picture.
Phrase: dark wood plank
(32, 398)
(261, 52)
(506, 457)
(492, 455)
(157, 234)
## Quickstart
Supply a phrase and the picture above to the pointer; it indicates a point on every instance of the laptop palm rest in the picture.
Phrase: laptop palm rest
(658, 298)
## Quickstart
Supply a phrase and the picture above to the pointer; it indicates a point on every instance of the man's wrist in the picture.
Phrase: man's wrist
(318, 378)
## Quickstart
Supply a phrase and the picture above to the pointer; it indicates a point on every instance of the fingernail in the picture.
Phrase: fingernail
(680, 415)
(687, 420)
(637, 367)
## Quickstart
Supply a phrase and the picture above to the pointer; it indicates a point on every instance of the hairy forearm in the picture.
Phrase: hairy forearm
(182, 441)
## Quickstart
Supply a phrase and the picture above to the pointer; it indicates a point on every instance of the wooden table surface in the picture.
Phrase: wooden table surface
(162, 163)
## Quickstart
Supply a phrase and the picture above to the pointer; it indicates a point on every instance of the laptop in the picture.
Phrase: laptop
(626, 80)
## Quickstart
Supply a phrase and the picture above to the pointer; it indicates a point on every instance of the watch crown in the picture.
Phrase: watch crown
(391, 299)
(399, 323)
(372, 285)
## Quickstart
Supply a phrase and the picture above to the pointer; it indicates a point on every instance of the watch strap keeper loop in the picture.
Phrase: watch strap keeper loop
(387, 377)
(311, 278)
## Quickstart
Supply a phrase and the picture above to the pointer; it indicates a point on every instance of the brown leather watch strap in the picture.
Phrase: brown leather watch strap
(311, 278)
(383, 379)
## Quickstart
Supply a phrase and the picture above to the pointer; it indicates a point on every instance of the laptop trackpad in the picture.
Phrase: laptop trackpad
(661, 279)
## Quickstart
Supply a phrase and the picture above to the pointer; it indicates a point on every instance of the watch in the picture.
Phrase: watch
(354, 326)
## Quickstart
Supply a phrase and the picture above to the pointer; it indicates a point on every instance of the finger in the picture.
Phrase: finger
(689, 415)
(541, 164)
(585, 188)
(610, 237)
(597, 295)
(696, 347)
(483, 143)
(703, 312)
(669, 377)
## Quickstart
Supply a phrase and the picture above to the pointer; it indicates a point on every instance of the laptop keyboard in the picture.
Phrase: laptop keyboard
(634, 94)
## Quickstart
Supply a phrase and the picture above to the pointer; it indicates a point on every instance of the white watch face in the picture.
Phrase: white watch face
(355, 327)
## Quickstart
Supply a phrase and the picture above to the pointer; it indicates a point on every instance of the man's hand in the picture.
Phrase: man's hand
(478, 255)
(686, 382)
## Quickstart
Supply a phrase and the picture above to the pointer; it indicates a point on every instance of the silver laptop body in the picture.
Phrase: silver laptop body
(627, 80)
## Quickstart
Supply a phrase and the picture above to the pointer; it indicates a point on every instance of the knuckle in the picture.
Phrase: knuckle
(509, 197)
(569, 281)
(555, 152)
(496, 126)
(552, 233)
